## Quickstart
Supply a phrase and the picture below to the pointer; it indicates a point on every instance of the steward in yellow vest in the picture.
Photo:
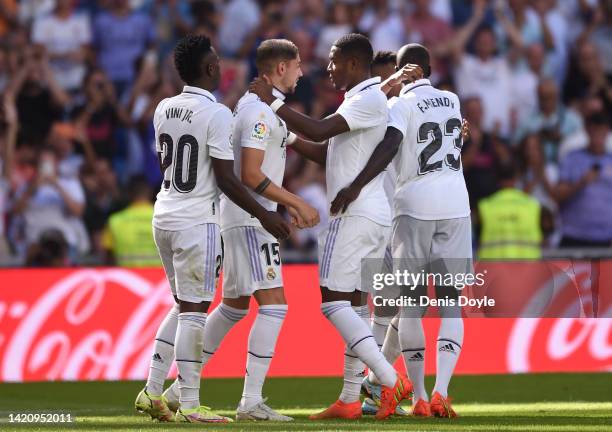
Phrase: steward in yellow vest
(128, 236)
(510, 222)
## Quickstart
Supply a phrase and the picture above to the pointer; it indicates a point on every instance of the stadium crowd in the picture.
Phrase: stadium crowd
(80, 81)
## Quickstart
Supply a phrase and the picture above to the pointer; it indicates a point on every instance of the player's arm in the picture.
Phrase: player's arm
(222, 160)
(381, 157)
(234, 190)
(252, 176)
(316, 130)
(316, 152)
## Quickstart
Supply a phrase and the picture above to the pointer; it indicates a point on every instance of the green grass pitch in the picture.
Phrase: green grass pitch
(538, 402)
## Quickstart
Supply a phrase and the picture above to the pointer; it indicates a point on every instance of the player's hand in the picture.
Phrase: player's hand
(296, 219)
(262, 88)
(275, 225)
(409, 72)
(344, 198)
(308, 214)
(465, 129)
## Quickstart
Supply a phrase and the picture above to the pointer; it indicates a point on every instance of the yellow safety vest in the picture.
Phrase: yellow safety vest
(131, 237)
(510, 226)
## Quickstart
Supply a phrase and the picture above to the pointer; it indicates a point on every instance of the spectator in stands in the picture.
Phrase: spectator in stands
(8, 139)
(40, 99)
(510, 221)
(539, 178)
(128, 237)
(599, 33)
(240, 19)
(482, 154)
(436, 34)
(101, 114)
(121, 36)
(102, 198)
(52, 201)
(486, 74)
(585, 190)
(338, 23)
(552, 120)
(587, 77)
(51, 250)
(66, 37)
(384, 24)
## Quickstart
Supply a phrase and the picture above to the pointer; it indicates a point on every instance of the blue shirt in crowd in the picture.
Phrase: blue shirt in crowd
(588, 214)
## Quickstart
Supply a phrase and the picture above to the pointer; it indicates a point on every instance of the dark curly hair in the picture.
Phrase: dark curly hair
(188, 55)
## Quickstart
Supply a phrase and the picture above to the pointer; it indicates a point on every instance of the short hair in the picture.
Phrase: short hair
(273, 51)
(188, 55)
(507, 171)
(384, 58)
(356, 45)
(597, 119)
(414, 54)
(138, 188)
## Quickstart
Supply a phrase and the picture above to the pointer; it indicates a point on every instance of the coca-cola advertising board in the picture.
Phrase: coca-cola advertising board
(99, 324)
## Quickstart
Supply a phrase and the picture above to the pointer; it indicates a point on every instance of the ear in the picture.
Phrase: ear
(210, 69)
(281, 67)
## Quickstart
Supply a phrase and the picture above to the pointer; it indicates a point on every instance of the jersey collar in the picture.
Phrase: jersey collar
(199, 91)
(418, 83)
(362, 86)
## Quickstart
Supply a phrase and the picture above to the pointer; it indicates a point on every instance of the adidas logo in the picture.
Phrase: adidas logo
(157, 358)
(448, 348)
(417, 357)
(180, 378)
(361, 374)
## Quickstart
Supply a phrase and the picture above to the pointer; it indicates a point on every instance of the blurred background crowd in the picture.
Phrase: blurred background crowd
(80, 81)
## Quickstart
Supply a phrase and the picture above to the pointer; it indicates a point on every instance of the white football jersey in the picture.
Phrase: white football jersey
(430, 175)
(256, 126)
(365, 110)
(390, 173)
(190, 128)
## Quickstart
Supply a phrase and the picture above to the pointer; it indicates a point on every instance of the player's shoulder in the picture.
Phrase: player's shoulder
(250, 108)
(449, 94)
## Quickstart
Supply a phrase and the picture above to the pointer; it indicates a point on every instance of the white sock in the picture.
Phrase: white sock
(391, 346)
(163, 352)
(262, 341)
(450, 339)
(218, 324)
(379, 328)
(188, 348)
(353, 367)
(358, 337)
(412, 342)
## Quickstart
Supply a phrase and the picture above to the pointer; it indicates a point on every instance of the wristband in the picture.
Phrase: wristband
(276, 104)
(291, 138)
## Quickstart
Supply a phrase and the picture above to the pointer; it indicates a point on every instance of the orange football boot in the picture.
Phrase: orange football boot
(441, 407)
(339, 410)
(421, 409)
(391, 397)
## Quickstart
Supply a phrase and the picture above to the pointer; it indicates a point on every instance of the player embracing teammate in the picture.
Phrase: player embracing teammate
(203, 151)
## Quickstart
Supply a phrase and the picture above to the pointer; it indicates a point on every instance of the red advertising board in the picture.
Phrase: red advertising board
(99, 324)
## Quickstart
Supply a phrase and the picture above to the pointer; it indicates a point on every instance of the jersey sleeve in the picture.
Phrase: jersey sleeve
(220, 135)
(256, 129)
(399, 116)
(363, 111)
(156, 120)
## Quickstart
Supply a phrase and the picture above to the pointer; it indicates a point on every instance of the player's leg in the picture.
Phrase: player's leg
(197, 262)
(270, 296)
(235, 303)
(343, 244)
(411, 243)
(150, 399)
(353, 366)
(452, 248)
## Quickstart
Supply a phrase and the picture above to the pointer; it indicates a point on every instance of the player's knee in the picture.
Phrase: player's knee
(186, 306)
(274, 296)
(237, 303)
